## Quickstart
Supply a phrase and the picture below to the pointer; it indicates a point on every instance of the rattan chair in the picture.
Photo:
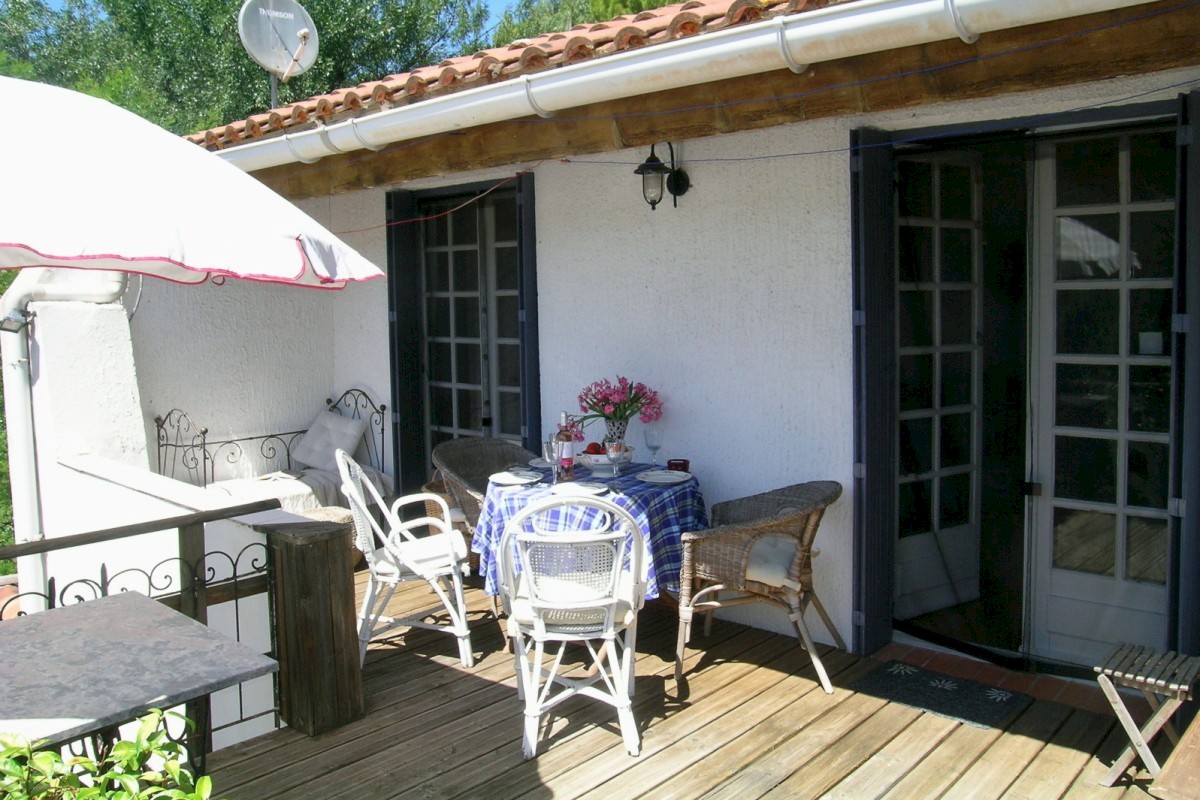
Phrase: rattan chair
(395, 555)
(466, 463)
(759, 550)
(573, 571)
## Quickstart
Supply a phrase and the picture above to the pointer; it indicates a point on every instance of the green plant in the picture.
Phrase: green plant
(7, 566)
(144, 768)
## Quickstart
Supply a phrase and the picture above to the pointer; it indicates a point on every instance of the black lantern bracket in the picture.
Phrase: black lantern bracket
(655, 174)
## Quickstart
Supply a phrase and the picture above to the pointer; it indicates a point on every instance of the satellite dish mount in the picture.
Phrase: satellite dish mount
(281, 38)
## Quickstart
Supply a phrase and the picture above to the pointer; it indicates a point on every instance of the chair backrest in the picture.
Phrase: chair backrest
(793, 512)
(576, 559)
(369, 530)
(466, 463)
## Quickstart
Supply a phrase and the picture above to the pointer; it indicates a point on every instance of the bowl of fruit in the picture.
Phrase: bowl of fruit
(595, 457)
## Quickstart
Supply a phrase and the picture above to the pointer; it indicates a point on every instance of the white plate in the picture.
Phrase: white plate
(663, 476)
(578, 487)
(540, 463)
(515, 477)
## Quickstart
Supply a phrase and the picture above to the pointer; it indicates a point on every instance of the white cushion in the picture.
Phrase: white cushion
(770, 559)
(428, 555)
(329, 433)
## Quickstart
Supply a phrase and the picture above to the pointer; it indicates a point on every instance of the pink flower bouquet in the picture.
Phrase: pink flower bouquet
(619, 401)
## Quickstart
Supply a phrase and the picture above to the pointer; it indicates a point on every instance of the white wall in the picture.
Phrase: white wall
(246, 358)
(736, 306)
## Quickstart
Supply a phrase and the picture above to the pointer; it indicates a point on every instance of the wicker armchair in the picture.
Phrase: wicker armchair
(465, 465)
(760, 550)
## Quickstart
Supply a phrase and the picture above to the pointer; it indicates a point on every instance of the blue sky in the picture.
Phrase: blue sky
(495, 9)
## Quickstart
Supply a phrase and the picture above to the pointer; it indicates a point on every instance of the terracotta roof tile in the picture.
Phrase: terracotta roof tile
(546, 51)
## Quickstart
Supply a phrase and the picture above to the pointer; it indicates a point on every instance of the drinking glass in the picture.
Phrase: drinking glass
(615, 452)
(654, 438)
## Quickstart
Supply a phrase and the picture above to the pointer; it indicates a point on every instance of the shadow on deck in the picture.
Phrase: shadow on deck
(753, 724)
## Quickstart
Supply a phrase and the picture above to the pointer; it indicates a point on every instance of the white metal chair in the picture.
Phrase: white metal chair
(396, 555)
(573, 571)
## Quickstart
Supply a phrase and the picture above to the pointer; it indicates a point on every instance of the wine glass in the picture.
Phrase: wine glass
(653, 442)
(615, 450)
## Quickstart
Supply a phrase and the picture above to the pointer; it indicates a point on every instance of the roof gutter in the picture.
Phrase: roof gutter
(793, 42)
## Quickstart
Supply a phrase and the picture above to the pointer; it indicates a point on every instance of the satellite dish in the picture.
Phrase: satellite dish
(280, 36)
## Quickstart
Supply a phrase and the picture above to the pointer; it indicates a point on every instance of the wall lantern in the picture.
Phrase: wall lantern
(653, 172)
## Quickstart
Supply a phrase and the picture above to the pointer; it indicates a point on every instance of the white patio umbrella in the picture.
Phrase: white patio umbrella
(86, 184)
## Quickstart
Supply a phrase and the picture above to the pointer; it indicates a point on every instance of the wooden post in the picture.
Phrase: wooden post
(320, 679)
(193, 601)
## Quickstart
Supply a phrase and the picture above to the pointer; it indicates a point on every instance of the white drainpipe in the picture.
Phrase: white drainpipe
(793, 42)
(30, 286)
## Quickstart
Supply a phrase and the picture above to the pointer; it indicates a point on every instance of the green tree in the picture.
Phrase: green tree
(182, 64)
(528, 18)
(7, 567)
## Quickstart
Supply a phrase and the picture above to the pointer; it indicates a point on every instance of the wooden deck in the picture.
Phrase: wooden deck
(754, 723)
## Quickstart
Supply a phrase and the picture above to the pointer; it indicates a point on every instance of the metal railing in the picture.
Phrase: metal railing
(190, 582)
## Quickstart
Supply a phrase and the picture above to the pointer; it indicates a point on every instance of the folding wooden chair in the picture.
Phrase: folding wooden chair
(1165, 679)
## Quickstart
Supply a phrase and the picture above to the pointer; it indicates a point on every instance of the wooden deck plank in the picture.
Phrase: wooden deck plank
(753, 723)
(557, 756)
(677, 742)
(420, 752)
(769, 767)
(756, 734)
(863, 741)
(876, 775)
(1086, 785)
(998, 766)
(935, 773)
(492, 755)
(1055, 768)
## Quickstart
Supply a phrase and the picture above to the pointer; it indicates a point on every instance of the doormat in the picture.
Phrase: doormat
(956, 698)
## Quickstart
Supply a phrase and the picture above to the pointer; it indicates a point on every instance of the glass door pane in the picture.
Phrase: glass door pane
(472, 330)
(937, 317)
(1104, 439)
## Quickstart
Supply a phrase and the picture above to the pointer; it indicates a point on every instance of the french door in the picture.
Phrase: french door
(938, 372)
(1101, 439)
(1036, 408)
(463, 285)
(471, 318)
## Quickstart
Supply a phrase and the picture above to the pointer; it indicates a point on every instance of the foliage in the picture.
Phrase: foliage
(6, 519)
(147, 767)
(182, 65)
(528, 18)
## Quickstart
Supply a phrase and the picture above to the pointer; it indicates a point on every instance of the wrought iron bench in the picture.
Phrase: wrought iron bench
(247, 465)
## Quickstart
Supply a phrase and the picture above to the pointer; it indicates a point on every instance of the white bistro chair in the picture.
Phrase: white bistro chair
(397, 555)
(573, 571)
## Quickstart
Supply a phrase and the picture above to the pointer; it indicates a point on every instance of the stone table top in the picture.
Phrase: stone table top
(75, 670)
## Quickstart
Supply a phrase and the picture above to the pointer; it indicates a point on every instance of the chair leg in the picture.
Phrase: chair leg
(801, 626)
(811, 597)
(628, 662)
(621, 693)
(459, 617)
(1139, 739)
(533, 699)
(685, 633)
(369, 615)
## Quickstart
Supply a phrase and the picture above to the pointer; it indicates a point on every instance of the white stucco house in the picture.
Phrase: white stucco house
(944, 253)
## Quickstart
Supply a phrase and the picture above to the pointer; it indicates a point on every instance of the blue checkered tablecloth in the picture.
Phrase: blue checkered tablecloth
(664, 512)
